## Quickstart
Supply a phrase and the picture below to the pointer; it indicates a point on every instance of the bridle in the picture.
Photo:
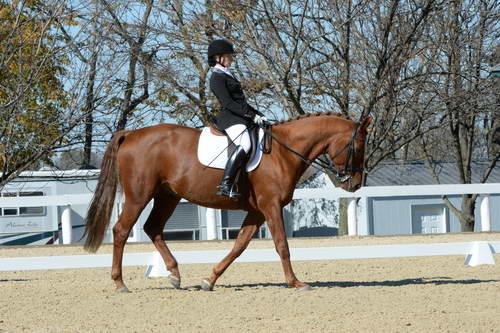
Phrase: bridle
(351, 150)
(343, 175)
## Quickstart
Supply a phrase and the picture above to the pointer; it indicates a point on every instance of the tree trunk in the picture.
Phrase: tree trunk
(495, 133)
(467, 218)
(89, 109)
(343, 202)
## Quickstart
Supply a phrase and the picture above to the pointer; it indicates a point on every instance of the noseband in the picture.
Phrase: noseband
(341, 174)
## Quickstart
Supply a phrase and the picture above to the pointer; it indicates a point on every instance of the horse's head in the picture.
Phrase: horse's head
(347, 152)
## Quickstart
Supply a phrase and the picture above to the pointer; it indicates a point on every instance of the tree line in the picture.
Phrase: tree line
(73, 73)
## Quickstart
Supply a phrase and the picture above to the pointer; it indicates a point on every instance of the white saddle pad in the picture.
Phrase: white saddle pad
(212, 150)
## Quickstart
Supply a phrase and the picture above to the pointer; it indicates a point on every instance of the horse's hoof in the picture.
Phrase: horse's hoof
(205, 285)
(123, 290)
(175, 282)
(306, 287)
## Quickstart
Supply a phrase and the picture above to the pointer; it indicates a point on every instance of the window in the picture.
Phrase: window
(31, 210)
(10, 211)
(31, 194)
(22, 211)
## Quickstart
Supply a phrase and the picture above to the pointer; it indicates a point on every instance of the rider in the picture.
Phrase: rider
(236, 114)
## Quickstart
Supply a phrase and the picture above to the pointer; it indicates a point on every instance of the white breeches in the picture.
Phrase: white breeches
(240, 136)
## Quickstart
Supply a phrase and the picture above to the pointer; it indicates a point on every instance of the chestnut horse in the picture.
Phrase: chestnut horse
(160, 162)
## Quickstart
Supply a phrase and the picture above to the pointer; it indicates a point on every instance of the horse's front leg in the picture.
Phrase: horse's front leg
(274, 218)
(251, 224)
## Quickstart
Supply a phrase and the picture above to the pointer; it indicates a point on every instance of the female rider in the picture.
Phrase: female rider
(236, 114)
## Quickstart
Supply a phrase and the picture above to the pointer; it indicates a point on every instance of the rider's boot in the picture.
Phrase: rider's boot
(235, 161)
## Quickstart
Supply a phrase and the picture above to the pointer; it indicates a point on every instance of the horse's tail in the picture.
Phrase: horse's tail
(101, 207)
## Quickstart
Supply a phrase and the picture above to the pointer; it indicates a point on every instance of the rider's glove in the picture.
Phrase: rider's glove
(260, 120)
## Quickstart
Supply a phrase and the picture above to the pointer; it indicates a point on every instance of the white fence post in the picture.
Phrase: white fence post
(211, 215)
(66, 225)
(485, 213)
(362, 217)
(352, 223)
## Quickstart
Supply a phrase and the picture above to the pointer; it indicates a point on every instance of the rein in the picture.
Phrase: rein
(328, 164)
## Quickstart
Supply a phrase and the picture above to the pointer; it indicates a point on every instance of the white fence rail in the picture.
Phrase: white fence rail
(477, 253)
(363, 193)
(332, 193)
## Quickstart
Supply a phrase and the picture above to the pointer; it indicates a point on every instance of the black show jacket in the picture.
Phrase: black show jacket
(235, 109)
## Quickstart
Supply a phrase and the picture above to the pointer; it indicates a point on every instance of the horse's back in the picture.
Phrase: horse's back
(146, 137)
(157, 147)
(164, 130)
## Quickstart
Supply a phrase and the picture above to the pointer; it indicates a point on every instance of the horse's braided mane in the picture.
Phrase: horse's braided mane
(308, 115)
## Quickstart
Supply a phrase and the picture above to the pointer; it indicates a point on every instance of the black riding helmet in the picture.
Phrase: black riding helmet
(218, 47)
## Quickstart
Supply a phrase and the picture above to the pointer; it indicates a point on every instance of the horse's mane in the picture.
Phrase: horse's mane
(308, 115)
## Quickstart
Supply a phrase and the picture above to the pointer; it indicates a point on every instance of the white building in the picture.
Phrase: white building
(42, 225)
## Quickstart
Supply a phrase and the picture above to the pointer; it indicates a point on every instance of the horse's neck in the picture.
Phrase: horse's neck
(309, 141)
(310, 138)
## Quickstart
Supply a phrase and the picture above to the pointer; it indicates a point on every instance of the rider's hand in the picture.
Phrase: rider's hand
(260, 120)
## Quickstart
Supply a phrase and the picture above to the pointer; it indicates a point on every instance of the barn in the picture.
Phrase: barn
(423, 214)
(42, 225)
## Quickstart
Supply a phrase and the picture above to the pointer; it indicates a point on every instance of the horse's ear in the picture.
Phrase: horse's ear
(364, 123)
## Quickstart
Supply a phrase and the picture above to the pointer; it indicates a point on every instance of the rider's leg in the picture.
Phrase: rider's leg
(241, 138)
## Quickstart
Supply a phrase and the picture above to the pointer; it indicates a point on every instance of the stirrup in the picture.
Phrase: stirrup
(226, 190)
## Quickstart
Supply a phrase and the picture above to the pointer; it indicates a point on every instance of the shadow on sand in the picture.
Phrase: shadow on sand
(350, 284)
(14, 280)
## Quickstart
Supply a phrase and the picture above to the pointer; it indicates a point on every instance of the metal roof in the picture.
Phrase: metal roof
(418, 173)
(495, 71)
(56, 175)
(385, 174)
(53, 173)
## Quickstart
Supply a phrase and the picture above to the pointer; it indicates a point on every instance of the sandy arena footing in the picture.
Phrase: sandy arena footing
(429, 294)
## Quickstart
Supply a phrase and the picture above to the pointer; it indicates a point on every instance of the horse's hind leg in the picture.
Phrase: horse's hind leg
(163, 207)
(121, 231)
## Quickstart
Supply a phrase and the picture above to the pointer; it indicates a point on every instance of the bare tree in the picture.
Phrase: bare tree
(135, 87)
(182, 74)
(85, 51)
(463, 37)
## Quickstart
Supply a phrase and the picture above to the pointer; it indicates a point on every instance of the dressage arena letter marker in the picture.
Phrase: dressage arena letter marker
(481, 254)
(157, 269)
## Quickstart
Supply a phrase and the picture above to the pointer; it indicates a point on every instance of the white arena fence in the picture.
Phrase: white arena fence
(476, 252)
(359, 225)
(356, 225)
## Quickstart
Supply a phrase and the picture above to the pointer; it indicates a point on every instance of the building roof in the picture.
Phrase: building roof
(495, 71)
(384, 174)
(418, 173)
(56, 175)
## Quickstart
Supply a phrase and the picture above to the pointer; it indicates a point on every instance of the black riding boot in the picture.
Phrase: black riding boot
(237, 160)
